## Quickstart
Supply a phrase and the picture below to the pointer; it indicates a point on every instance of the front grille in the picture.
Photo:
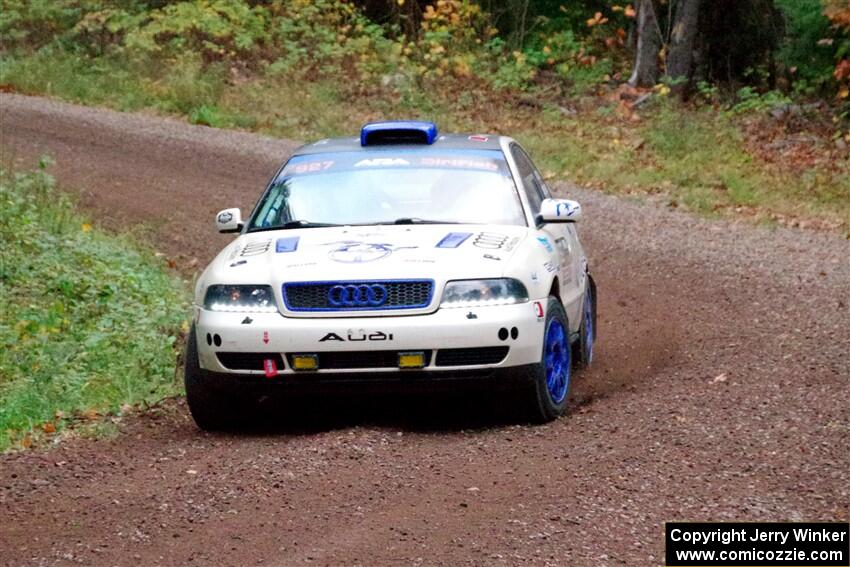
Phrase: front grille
(471, 356)
(315, 296)
(340, 360)
(248, 360)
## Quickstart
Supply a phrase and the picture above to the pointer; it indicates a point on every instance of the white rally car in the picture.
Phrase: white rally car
(400, 257)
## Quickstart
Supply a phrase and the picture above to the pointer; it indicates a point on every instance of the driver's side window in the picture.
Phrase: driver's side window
(531, 180)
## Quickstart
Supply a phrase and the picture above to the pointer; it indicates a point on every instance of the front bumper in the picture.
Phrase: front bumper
(270, 335)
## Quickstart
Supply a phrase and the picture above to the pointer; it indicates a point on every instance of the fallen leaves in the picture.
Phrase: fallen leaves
(597, 20)
(628, 99)
(90, 414)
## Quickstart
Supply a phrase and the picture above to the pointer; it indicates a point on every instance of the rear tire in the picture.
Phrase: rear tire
(214, 405)
(587, 330)
(548, 382)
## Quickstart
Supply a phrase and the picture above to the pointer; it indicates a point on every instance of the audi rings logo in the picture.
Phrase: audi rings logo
(359, 295)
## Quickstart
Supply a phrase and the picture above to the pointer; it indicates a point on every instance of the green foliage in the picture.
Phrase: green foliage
(188, 84)
(512, 71)
(299, 38)
(326, 37)
(100, 32)
(56, 72)
(184, 86)
(808, 47)
(697, 159)
(705, 156)
(213, 29)
(519, 21)
(559, 53)
(35, 23)
(511, 45)
(585, 77)
(90, 320)
(750, 100)
(205, 116)
(707, 92)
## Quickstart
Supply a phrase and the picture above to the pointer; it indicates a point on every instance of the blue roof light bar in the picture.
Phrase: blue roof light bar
(398, 132)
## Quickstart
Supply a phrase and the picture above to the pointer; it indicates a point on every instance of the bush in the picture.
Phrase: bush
(839, 15)
(90, 320)
(313, 39)
(35, 23)
(327, 37)
(213, 29)
(750, 100)
(804, 49)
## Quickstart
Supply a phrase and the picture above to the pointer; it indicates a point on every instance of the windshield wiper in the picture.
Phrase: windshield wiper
(306, 224)
(295, 224)
(417, 220)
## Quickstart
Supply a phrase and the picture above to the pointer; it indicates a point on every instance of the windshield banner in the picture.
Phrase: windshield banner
(477, 160)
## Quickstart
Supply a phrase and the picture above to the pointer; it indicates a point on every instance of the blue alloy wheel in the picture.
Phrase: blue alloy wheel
(589, 330)
(557, 359)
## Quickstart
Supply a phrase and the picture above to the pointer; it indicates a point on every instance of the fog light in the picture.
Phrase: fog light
(305, 362)
(411, 359)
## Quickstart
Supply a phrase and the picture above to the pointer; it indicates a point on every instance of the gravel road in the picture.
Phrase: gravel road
(720, 392)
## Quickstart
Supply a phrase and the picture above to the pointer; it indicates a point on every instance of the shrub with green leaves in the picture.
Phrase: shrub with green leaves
(89, 319)
(34, 23)
(326, 37)
(214, 29)
(310, 39)
(808, 47)
(750, 100)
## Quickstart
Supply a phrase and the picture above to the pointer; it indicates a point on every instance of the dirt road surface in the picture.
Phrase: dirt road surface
(720, 392)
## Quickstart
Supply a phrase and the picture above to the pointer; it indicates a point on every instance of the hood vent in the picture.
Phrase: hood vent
(256, 248)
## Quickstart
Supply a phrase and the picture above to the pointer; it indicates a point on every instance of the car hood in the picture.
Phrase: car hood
(392, 252)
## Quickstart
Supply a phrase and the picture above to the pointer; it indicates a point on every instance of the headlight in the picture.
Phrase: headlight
(483, 293)
(240, 298)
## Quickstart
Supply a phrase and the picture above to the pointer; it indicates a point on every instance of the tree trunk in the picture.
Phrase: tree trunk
(682, 37)
(645, 72)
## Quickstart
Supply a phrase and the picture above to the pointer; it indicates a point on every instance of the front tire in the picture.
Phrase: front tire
(549, 380)
(213, 405)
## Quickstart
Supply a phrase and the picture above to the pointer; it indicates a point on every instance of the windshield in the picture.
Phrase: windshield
(408, 186)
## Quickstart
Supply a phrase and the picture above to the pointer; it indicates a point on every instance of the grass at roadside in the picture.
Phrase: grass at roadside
(89, 319)
(696, 158)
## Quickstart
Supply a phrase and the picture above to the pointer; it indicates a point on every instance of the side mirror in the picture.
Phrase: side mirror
(559, 210)
(229, 220)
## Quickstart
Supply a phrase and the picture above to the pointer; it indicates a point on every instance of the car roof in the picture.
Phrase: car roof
(443, 142)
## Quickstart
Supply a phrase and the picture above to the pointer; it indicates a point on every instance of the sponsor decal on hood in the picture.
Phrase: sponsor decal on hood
(453, 239)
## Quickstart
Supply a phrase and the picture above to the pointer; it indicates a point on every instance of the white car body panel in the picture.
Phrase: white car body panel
(535, 256)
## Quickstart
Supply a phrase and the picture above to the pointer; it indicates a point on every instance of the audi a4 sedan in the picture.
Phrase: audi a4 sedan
(399, 258)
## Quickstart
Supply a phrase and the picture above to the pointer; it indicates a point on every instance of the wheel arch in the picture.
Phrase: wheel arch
(555, 289)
